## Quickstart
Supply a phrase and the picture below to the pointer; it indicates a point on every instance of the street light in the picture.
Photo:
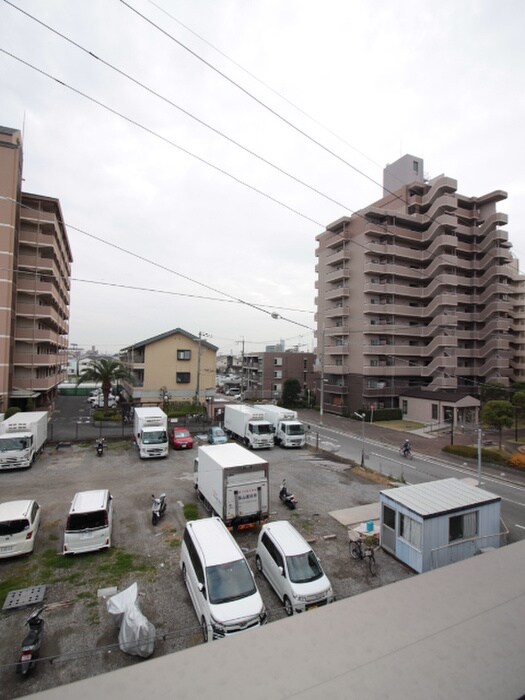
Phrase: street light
(362, 417)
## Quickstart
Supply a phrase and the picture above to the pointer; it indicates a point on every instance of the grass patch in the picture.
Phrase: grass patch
(191, 511)
(371, 475)
(93, 570)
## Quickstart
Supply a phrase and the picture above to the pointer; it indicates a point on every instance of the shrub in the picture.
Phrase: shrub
(11, 411)
(471, 452)
(517, 460)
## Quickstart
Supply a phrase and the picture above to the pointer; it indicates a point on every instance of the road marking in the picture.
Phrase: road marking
(521, 527)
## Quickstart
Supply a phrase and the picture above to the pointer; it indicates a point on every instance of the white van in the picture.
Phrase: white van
(292, 568)
(89, 522)
(19, 523)
(220, 583)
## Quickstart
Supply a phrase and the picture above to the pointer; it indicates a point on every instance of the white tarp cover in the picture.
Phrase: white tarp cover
(137, 634)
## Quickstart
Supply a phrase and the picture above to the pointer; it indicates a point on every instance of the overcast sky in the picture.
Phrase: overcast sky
(155, 200)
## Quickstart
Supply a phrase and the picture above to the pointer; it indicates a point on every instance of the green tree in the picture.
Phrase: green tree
(106, 372)
(497, 414)
(493, 392)
(291, 392)
(518, 401)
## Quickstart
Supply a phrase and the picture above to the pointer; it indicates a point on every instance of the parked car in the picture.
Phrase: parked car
(180, 438)
(216, 436)
(292, 568)
(19, 523)
(89, 522)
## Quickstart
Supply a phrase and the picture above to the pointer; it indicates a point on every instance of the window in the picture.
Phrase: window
(462, 527)
(434, 411)
(389, 517)
(410, 530)
(404, 407)
(415, 166)
(278, 374)
(183, 354)
(278, 361)
(183, 377)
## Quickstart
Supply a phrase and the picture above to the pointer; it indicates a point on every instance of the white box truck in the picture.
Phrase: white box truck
(249, 425)
(150, 430)
(233, 484)
(288, 429)
(22, 438)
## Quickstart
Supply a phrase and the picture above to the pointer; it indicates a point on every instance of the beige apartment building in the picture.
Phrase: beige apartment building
(173, 366)
(418, 294)
(34, 286)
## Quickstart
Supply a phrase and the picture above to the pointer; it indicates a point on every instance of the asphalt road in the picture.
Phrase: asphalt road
(381, 453)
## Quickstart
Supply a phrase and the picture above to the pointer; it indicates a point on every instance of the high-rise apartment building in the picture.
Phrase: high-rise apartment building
(418, 291)
(35, 277)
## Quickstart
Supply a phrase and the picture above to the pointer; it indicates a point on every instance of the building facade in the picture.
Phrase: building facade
(173, 366)
(264, 373)
(419, 290)
(34, 286)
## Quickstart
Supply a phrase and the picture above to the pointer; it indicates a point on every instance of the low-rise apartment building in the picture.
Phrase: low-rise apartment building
(264, 373)
(173, 366)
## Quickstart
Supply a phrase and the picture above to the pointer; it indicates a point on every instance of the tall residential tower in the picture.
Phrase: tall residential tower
(418, 291)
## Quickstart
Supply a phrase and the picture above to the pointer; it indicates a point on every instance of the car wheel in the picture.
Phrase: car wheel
(184, 573)
(287, 606)
(258, 564)
(204, 628)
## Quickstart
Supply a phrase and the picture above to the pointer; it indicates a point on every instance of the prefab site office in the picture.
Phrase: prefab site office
(439, 522)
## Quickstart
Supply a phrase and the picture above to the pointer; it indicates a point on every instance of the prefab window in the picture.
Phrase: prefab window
(410, 530)
(462, 527)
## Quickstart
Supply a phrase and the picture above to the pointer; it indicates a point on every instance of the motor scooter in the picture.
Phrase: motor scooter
(158, 507)
(100, 447)
(287, 498)
(31, 644)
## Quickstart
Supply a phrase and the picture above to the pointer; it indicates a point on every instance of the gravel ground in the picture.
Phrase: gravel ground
(81, 638)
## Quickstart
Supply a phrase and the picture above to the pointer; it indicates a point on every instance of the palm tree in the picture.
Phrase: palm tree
(105, 372)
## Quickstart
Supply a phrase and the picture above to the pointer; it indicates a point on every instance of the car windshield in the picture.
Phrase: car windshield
(12, 527)
(261, 429)
(154, 437)
(304, 567)
(182, 433)
(7, 444)
(217, 432)
(231, 581)
(294, 429)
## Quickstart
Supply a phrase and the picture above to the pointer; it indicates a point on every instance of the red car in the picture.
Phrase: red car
(180, 439)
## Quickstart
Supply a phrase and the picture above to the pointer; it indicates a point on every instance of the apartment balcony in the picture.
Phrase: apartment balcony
(339, 370)
(42, 311)
(39, 384)
(336, 389)
(30, 334)
(340, 256)
(337, 293)
(33, 359)
(336, 312)
(339, 274)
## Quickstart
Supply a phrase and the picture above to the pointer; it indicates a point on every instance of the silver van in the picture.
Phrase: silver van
(89, 522)
(220, 583)
(292, 568)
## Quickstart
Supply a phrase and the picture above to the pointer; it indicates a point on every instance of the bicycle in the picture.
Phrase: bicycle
(407, 454)
(360, 549)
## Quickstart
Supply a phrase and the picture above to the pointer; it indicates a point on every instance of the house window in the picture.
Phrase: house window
(278, 361)
(434, 411)
(404, 407)
(415, 166)
(410, 530)
(183, 377)
(461, 527)
(183, 354)
(277, 374)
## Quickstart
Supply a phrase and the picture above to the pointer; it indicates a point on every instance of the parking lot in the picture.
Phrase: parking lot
(81, 638)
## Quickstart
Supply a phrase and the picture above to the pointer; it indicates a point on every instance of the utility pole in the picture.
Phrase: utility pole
(242, 369)
(198, 389)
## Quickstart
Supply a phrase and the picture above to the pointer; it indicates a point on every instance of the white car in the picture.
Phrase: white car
(292, 568)
(19, 523)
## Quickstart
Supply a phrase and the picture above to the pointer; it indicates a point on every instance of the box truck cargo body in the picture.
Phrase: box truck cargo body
(233, 484)
(288, 429)
(248, 424)
(150, 429)
(22, 438)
